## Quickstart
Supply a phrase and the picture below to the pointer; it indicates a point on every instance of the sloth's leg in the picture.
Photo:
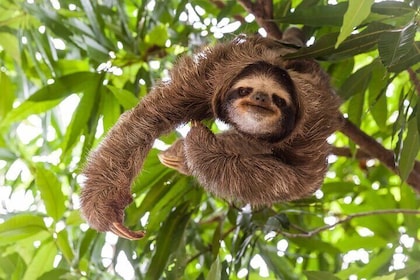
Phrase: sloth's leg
(259, 179)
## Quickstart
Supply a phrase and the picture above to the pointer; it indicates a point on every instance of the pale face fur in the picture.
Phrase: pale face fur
(256, 113)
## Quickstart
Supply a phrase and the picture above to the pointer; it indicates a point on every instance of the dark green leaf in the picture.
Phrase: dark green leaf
(394, 8)
(168, 240)
(393, 45)
(408, 60)
(324, 48)
(316, 16)
(410, 149)
(377, 98)
(357, 83)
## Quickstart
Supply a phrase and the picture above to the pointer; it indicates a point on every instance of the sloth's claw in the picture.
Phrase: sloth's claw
(194, 123)
(121, 231)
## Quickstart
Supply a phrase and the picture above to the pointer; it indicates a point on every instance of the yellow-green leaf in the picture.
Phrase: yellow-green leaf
(20, 227)
(357, 11)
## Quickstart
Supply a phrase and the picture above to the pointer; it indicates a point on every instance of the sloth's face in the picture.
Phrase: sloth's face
(263, 106)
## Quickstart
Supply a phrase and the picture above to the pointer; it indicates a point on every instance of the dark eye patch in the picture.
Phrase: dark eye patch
(280, 102)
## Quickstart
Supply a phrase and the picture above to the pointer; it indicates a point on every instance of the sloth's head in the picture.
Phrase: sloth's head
(262, 102)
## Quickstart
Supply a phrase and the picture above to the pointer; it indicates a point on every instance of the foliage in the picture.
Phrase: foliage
(69, 68)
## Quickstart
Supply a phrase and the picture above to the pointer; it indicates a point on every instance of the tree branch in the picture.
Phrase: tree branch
(263, 12)
(348, 218)
(376, 150)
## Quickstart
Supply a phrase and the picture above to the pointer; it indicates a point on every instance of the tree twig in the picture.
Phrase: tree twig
(263, 12)
(347, 219)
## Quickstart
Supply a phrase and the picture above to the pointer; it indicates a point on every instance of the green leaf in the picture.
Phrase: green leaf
(63, 244)
(7, 94)
(83, 113)
(12, 266)
(51, 193)
(320, 275)
(410, 149)
(394, 8)
(20, 227)
(50, 96)
(393, 45)
(168, 240)
(10, 44)
(158, 35)
(357, 11)
(376, 263)
(378, 104)
(110, 109)
(126, 98)
(316, 16)
(408, 60)
(280, 266)
(357, 83)
(215, 272)
(42, 261)
(324, 47)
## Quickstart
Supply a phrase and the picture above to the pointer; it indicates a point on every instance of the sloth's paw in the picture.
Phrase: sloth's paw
(103, 208)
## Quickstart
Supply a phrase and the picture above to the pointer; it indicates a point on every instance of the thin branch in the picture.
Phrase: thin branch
(263, 12)
(348, 219)
(346, 152)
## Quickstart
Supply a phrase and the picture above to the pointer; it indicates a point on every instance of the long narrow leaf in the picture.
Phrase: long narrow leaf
(410, 149)
(168, 240)
(51, 193)
(357, 11)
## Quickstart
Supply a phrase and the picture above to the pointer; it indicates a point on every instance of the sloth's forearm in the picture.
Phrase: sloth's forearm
(113, 166)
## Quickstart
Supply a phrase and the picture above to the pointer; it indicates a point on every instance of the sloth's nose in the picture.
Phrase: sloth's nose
(261, 97)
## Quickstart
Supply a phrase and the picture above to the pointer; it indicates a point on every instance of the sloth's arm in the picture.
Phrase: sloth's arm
(259, 179)
(111, 169)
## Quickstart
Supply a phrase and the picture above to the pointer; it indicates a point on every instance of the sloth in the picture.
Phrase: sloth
(280, 111)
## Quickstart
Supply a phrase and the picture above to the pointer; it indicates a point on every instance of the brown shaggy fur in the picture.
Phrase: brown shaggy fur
(230, 165)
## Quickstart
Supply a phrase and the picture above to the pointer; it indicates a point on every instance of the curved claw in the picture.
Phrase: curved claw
(121, 231)
(194, 123)
(170, 161)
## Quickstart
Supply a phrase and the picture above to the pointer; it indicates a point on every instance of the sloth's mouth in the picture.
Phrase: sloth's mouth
(259, 108)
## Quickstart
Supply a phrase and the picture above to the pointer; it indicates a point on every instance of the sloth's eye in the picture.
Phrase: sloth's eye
(244, 91)
(280, 102)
